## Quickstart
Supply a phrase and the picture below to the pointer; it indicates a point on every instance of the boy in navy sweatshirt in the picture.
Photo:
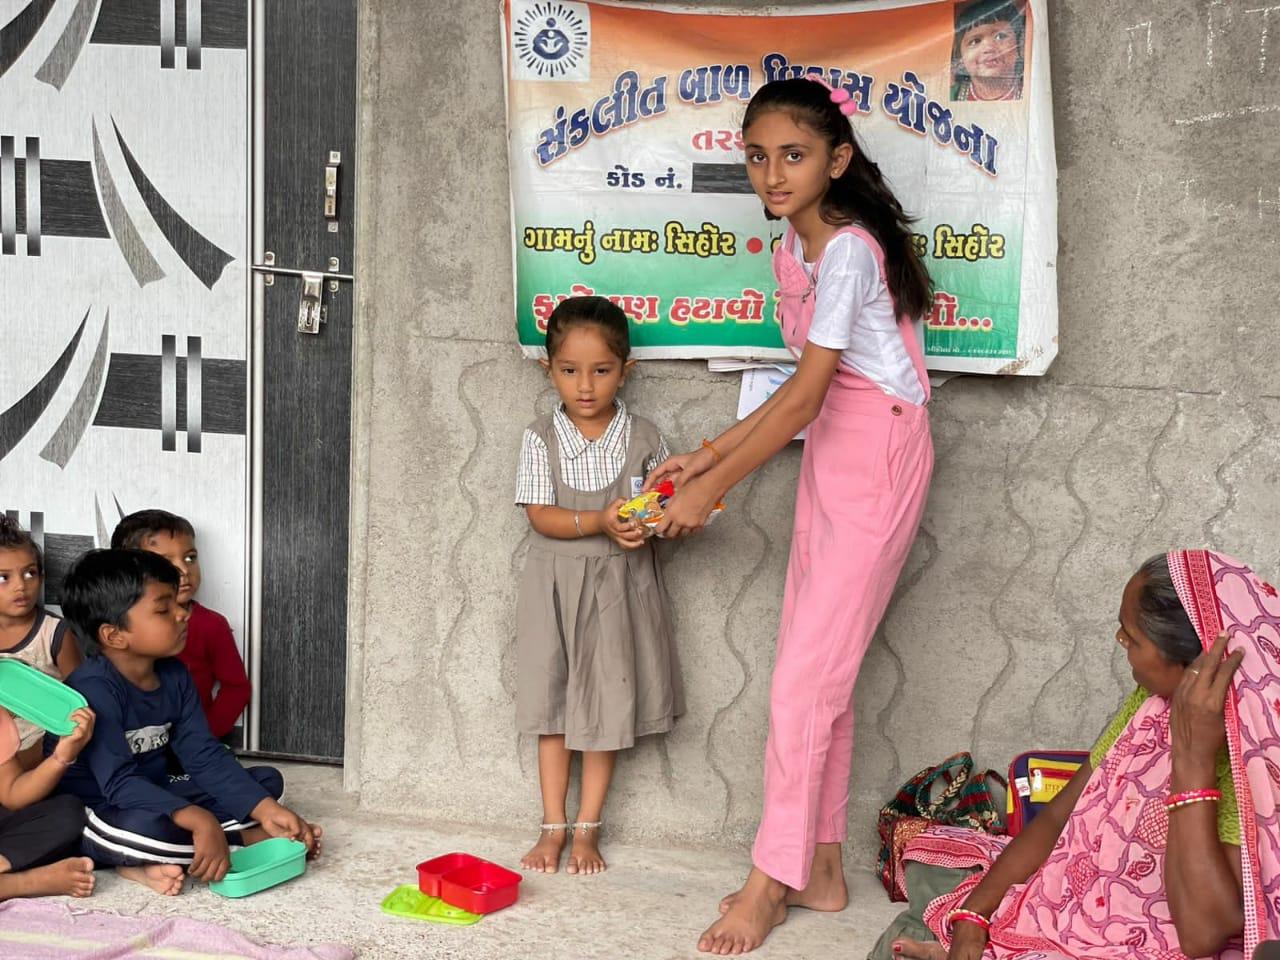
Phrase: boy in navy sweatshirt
(147, 824)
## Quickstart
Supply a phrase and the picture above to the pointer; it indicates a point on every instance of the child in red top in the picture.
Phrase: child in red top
(211, 653)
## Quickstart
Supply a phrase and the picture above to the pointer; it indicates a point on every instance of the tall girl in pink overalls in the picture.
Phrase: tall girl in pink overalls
(852, 292)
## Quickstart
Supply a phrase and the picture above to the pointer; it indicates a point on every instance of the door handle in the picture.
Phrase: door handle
(311, 305)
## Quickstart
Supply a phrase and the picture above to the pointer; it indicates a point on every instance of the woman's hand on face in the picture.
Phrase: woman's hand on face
(686, 512)
(1196, 726)
(681, 468)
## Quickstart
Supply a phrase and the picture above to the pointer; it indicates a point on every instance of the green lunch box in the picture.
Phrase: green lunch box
(262, 865)
(37, 697)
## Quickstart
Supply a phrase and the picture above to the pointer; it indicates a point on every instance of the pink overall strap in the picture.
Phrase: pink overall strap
(906, 327)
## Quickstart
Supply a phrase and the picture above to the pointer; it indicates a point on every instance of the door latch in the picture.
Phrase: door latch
(331, 189)
(311, 306)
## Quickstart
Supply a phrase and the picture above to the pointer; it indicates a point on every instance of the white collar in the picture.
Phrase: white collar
(573, 444)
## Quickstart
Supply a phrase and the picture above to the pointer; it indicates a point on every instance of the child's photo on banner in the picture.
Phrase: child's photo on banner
(989, 59)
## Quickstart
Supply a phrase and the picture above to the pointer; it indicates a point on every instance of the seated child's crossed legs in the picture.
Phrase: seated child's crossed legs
(158, 851)
(30, 841)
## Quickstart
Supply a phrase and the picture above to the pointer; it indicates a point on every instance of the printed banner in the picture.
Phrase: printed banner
(628, 177)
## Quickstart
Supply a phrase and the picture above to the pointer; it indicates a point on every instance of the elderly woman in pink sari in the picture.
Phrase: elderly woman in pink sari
(1166, 844)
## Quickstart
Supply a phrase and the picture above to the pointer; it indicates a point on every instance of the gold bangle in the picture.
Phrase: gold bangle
(712, 447)
(577, 524)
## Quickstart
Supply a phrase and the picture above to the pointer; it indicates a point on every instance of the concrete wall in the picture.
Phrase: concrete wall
(1156, 426)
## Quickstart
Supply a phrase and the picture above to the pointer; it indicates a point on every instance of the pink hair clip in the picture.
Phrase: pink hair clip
(839, 96)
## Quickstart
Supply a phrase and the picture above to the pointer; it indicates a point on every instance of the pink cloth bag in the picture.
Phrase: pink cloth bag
(1100, 895)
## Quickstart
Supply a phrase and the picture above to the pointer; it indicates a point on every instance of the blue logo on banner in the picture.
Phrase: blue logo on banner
(551, 39)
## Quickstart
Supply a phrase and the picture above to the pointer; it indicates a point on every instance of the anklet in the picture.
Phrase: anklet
(553, 827)
(584, 826)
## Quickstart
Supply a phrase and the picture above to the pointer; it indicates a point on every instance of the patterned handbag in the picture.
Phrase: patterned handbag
(948, 793)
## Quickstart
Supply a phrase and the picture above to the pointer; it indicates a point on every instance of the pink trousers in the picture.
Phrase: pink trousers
(864, 479)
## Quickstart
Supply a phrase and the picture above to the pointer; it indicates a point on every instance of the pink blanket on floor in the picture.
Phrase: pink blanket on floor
(1100, 895)
(50, 930)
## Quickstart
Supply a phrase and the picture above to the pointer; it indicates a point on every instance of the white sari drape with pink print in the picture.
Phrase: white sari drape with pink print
(1100, 894)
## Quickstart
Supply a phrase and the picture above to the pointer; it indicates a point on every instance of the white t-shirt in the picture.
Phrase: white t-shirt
(854, 313)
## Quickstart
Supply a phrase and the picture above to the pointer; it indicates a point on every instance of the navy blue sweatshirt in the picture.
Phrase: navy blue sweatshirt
(126, 764)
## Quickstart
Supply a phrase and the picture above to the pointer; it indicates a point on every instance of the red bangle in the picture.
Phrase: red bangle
(1188, 797)
(967, 916)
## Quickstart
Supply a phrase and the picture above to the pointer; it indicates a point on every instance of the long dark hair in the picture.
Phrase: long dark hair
(860, 194)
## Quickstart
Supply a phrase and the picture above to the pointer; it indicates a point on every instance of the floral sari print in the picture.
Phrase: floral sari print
(1100, 894)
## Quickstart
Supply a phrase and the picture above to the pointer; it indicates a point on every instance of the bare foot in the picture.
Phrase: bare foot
(730, 900)
(164, 878)
(545, 855)
(915, 950)
(754, 911)
(585, 856)
(72, 877)
(826, 890)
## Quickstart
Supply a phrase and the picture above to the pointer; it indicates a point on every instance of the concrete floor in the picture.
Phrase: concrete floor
(650, 905)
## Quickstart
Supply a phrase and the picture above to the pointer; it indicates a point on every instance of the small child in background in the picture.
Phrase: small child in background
(987, 61)
(211, 653)
(39, 833)
(28, 632)
(596, 659)
(144, 822)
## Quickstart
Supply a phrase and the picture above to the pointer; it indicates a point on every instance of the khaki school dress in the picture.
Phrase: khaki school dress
(596, 660)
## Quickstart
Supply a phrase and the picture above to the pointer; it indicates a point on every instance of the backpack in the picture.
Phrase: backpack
(1037, 777)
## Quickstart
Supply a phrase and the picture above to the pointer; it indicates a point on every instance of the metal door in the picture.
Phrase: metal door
(303, 248)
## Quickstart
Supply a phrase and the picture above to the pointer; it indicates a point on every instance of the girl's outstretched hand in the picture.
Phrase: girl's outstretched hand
(687, 511)
(681, 468)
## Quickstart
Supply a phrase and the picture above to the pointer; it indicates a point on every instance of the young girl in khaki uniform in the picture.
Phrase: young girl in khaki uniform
(596, 663)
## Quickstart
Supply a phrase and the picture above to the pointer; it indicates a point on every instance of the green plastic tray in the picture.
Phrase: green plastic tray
(37, 697)
(262, 865)
(408, 901)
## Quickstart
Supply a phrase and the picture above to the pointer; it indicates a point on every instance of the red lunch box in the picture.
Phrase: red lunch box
(469, 883)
